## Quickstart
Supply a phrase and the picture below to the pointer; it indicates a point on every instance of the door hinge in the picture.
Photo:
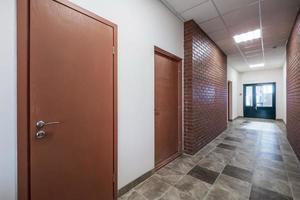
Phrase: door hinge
(113, 51)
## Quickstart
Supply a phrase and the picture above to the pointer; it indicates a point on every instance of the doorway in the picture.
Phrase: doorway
(260, 100)
(67, 102)
(229, 100)
(168, 108)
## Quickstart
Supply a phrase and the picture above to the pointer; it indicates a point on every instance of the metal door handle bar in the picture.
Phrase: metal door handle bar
(40, 124)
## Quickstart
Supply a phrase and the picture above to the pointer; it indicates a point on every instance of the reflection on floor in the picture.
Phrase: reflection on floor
(252, 159)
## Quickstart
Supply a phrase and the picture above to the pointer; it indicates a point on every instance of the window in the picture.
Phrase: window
(264, 95)
(249, 95)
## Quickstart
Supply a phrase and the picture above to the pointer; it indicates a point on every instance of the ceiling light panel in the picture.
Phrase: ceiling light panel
(251, 35)
(257, 65)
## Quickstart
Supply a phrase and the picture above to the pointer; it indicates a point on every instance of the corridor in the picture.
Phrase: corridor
(150, 100)
(252, 159)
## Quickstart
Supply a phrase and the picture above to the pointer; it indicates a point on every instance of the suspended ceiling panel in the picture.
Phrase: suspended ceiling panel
(222, 19)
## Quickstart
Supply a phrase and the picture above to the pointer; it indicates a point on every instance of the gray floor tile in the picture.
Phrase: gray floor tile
(182, 164)
(193, 187)
(269, 164)
(229, 188)
(270, 173)
(296, 191)
(175, 194)
(169, 176)
(220, 156)
(132, 195)
(212, 164)
(244, 161)
(294, 178)
(276, 185)
(205, 150)
(152, 188)
(292, 167)
(255, 159)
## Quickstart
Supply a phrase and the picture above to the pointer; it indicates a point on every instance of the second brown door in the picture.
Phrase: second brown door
(167, 107)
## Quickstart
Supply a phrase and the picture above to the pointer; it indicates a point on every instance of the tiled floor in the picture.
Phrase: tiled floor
(252, 159)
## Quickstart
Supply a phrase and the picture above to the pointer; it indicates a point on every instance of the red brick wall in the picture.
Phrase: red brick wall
(293, 87)
(205, 89)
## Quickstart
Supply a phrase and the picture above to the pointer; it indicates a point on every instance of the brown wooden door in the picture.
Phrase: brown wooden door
(167, 108)
(71, 82)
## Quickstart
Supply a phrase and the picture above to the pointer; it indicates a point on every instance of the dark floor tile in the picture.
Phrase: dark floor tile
(227, 146)
(258, 193)
(203, 174)
(237, 172)
(271, 156)
(235, 139)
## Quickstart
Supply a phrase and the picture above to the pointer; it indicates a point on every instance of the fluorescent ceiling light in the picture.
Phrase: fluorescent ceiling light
(257, 65)
(248, 36)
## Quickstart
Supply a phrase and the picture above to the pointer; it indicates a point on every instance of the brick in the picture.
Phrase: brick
(293, 87)
(205, 84)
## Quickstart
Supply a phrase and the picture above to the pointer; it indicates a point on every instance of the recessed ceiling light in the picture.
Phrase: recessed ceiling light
(257, 65)
(244, 37)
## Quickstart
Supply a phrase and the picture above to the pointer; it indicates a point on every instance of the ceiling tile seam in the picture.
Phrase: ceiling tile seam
(195, 6)
(227, 29)
(172, 10)
(234, 10)
(261, 28)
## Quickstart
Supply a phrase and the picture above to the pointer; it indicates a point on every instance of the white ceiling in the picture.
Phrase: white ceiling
(222, 19)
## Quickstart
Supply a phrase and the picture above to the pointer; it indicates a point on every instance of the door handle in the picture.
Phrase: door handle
(40, 124)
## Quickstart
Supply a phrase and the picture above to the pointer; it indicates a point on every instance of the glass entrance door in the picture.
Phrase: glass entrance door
(260, 100)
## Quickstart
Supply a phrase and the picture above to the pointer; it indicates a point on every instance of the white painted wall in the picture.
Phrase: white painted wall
(284, 90)
(233, 75)
(142, 24)
(263, 76)
(8, 100)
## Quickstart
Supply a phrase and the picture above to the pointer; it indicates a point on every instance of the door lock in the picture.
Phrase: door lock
(40, 135)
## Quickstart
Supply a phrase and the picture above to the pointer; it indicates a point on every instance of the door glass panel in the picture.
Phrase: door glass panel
(249, 93)
(264, 95)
